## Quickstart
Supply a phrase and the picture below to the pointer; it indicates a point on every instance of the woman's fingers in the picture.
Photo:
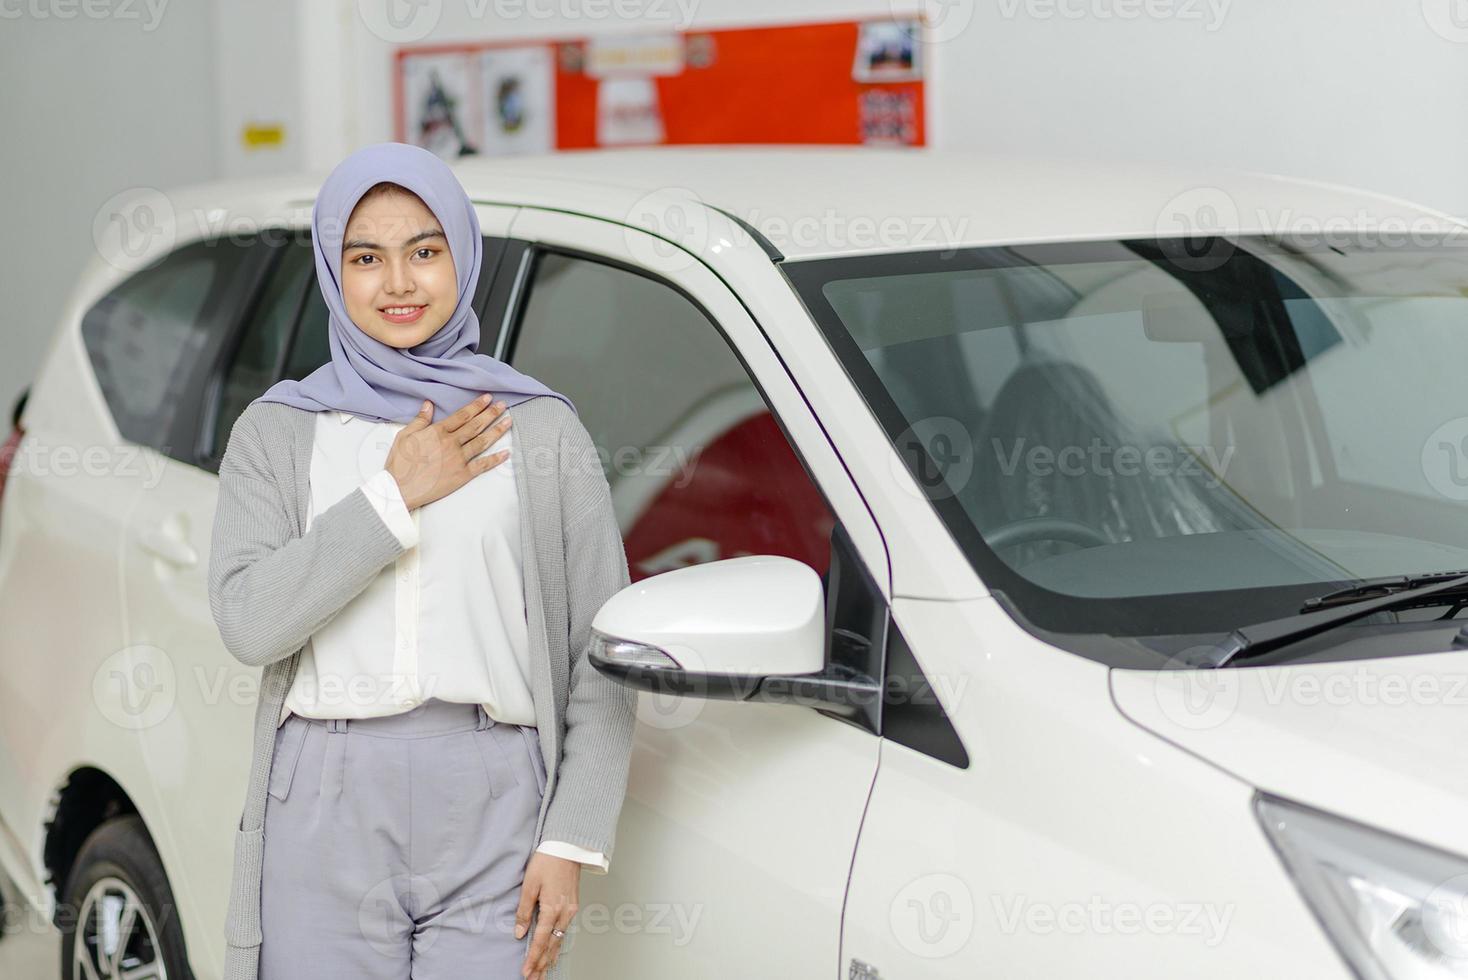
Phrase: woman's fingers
(463, 415)
(482, 441)
(546, 947)
(424, 416)
(529, 889)
(481, 420)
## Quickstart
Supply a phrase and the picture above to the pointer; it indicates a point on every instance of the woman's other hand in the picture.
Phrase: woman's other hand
(432, 460)
(555, 882)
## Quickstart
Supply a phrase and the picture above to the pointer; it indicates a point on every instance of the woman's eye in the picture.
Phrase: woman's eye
(358, 259)
(431, 252)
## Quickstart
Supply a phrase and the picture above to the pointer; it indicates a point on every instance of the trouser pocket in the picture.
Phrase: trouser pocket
(497, 763)
(289, 739)
(537, 762)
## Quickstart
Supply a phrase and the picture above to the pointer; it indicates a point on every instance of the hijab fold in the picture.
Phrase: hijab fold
(377, 381)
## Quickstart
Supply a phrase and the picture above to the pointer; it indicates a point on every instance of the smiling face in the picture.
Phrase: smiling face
(398, 278)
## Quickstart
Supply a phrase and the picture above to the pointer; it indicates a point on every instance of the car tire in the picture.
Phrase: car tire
(117, 874)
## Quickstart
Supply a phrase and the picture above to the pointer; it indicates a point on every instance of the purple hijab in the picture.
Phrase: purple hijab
(377, 381)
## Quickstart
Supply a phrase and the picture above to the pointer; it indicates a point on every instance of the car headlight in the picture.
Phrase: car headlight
(1397, 910)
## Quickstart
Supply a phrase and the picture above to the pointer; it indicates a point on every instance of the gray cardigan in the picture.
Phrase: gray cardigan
(271, 586)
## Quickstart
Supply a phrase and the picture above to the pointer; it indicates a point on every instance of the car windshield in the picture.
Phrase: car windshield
(1166, 436)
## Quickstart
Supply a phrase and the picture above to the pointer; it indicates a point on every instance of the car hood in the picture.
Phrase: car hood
(1383, 741)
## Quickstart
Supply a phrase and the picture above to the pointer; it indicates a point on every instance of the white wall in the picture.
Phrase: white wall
(1360, 92)
(91, 107)
(1353, 91)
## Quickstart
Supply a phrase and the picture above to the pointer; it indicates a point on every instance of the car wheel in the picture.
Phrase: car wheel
(121, 921)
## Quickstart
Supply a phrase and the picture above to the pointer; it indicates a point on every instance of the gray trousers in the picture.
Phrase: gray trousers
(395, 847)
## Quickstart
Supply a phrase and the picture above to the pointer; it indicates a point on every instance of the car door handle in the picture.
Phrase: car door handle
(163, 544)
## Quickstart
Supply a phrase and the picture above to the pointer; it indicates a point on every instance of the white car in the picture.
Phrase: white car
(1038, 570)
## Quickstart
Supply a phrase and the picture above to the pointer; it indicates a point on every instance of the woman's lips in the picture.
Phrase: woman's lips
(402, 317)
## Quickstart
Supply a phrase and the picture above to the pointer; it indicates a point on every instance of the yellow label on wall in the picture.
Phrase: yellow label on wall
(256, 135)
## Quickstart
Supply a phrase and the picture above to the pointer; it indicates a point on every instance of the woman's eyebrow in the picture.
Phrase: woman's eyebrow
(422, 235)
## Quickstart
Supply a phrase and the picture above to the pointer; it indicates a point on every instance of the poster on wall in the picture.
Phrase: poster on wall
(828, 83)
(519, 100)
(886, 52)
(439, 104)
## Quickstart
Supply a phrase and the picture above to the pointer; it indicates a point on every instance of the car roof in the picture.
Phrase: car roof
(815, 201)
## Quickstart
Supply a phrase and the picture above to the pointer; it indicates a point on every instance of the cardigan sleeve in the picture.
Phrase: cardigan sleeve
(591, 780)
(268, 589)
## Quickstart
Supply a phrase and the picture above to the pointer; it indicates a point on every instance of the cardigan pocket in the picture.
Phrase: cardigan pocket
(289, 739)
(242, 927)
(497, 765)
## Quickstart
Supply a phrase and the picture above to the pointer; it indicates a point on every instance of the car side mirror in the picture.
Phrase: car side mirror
(745, 629)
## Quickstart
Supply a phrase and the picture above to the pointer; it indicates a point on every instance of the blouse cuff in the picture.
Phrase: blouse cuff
(593, 861)
(387, 499)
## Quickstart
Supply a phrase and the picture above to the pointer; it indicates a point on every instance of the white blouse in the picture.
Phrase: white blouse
(446, 620)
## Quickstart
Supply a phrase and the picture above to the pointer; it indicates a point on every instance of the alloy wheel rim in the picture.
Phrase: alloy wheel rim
(116, 938)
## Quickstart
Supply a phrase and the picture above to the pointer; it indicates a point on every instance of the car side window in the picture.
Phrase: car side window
(265, 336)
(146, 337)
(698, 466)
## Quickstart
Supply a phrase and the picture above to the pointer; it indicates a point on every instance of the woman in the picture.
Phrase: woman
(434, 759)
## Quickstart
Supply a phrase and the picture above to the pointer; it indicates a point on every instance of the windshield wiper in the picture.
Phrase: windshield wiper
(1333, 609)
(1372, 588)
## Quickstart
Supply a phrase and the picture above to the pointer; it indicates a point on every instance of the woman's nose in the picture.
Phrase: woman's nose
(399, 279)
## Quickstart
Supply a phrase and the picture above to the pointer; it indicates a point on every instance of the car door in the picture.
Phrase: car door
(105, 407)
(195, 728)
(740, 819)
(198, 750)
